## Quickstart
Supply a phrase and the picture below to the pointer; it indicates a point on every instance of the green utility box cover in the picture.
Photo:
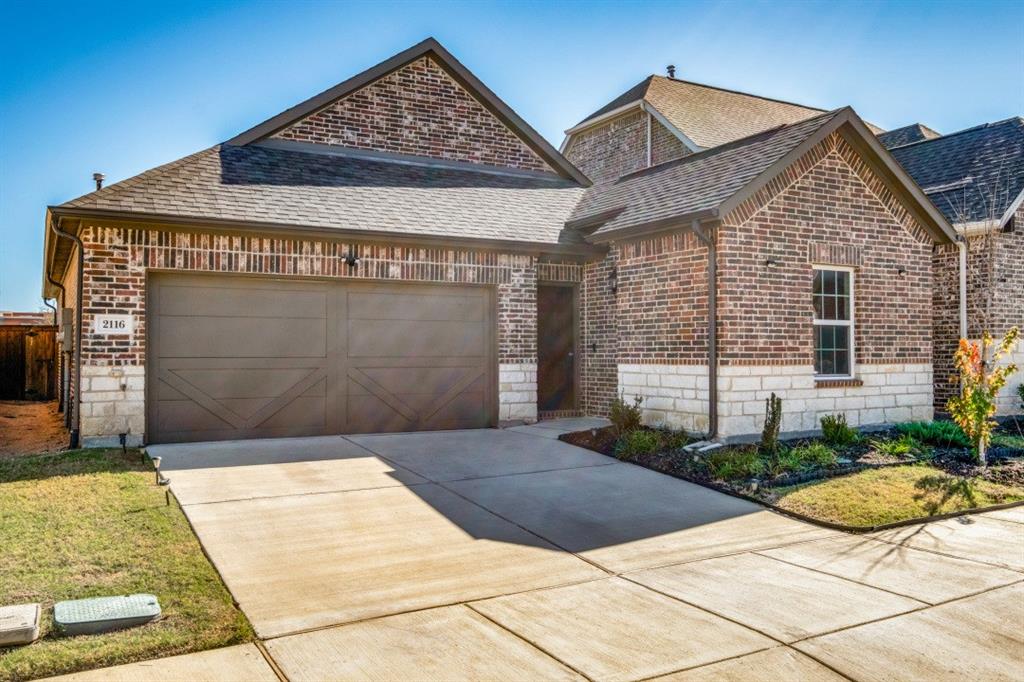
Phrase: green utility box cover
(102, 614)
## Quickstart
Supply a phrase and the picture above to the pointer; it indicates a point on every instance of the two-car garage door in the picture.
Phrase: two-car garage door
(248, 357)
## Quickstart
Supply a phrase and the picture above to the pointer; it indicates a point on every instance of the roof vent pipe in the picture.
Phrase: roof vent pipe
(99, 177)
(671, 68)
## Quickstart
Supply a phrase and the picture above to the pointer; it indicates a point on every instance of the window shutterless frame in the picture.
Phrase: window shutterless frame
(833, 310)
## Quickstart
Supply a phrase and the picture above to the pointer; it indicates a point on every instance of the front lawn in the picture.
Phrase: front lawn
(878, 496)
(92, 523)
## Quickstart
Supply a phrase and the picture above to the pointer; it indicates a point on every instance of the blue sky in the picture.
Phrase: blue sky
(122, 87)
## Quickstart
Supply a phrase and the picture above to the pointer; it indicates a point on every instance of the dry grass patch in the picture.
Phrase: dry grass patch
(91, 523)
(887, 495)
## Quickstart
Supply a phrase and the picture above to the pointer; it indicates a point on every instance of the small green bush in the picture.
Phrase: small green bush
(938, 433)
(673, 439)
(638, 442)
(904, 446)
(1020, 392)
(731, 463)
(1008, 441)
(810, 456)
(625, 417)
(769, 445)
(835, 430)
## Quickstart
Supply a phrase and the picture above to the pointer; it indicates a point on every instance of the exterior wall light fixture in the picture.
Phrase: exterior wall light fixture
(901, 271)
(613, 280)
(351, 260)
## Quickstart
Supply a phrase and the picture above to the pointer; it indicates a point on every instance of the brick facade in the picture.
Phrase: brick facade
(417, 110)
(827, 199)
(828, 208)
(619, 146)
(118, 258)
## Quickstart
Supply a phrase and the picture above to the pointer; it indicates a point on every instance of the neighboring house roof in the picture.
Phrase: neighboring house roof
(709, 184)
(355, 193)
(915, 132)
(455, 69)
(10, 318)
(975, 176)
(703, 115)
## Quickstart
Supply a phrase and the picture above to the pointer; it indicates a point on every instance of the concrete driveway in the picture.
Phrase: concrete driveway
(511, 555)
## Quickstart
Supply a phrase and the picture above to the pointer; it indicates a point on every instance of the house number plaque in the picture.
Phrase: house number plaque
(107, 325)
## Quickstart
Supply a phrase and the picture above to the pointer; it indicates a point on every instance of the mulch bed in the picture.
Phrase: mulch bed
(1005, 466)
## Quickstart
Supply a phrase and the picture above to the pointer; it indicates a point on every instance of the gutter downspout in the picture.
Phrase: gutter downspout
(76, 406)
(712, 328)
(65, 385)
(961, 242)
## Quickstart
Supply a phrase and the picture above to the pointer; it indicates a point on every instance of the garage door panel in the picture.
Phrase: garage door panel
(235, 357)
(281, 301)
(412, 380)
(416, 338)
(242, 337)
(406, 306)
(247, 382)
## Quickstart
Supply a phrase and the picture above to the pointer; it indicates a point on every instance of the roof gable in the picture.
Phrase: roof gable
(710, 184)
(422, 103)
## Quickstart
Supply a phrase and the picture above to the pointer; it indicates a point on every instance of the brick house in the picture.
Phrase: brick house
(976, 178)
(404, 252)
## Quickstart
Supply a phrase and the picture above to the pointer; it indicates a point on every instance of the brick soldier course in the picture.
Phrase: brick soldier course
(415, 172)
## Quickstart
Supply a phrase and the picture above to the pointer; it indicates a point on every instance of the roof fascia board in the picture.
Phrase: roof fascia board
(653, 227)
(1011, 209)
(247, 227)
(606, 116)
(690, 144)
(453, 68)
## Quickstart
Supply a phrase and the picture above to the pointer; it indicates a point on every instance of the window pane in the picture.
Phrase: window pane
(830, 282)
(817, 281)
(842, 362)
(842, 311)
(830, 308)
(841, 338)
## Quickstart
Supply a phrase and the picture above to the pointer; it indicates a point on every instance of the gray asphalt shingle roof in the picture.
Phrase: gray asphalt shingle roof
(915, 132)
(267, 185)
(710, 116)
(972, 175)
(693, 184)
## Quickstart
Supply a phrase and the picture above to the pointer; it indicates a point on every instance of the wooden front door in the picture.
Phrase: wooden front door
(556, 348)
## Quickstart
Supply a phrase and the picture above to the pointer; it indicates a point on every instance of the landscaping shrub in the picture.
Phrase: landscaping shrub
(732, 463)
(938, 433)
(625, 417)
(638, 442)
(810, 456)
(904, 446)
(769, 445)
(981, 379)
(673, 439)
(835, 431)
(1020, 392)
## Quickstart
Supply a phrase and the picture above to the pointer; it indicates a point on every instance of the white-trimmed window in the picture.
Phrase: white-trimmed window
(833, 321)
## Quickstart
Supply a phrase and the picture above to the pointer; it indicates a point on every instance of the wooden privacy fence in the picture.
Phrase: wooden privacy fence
(28, 363)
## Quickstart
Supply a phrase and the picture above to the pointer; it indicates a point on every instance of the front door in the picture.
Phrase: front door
(556, 348)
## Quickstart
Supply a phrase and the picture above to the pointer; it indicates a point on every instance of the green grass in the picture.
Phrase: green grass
(91, 523)
(887, 495)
